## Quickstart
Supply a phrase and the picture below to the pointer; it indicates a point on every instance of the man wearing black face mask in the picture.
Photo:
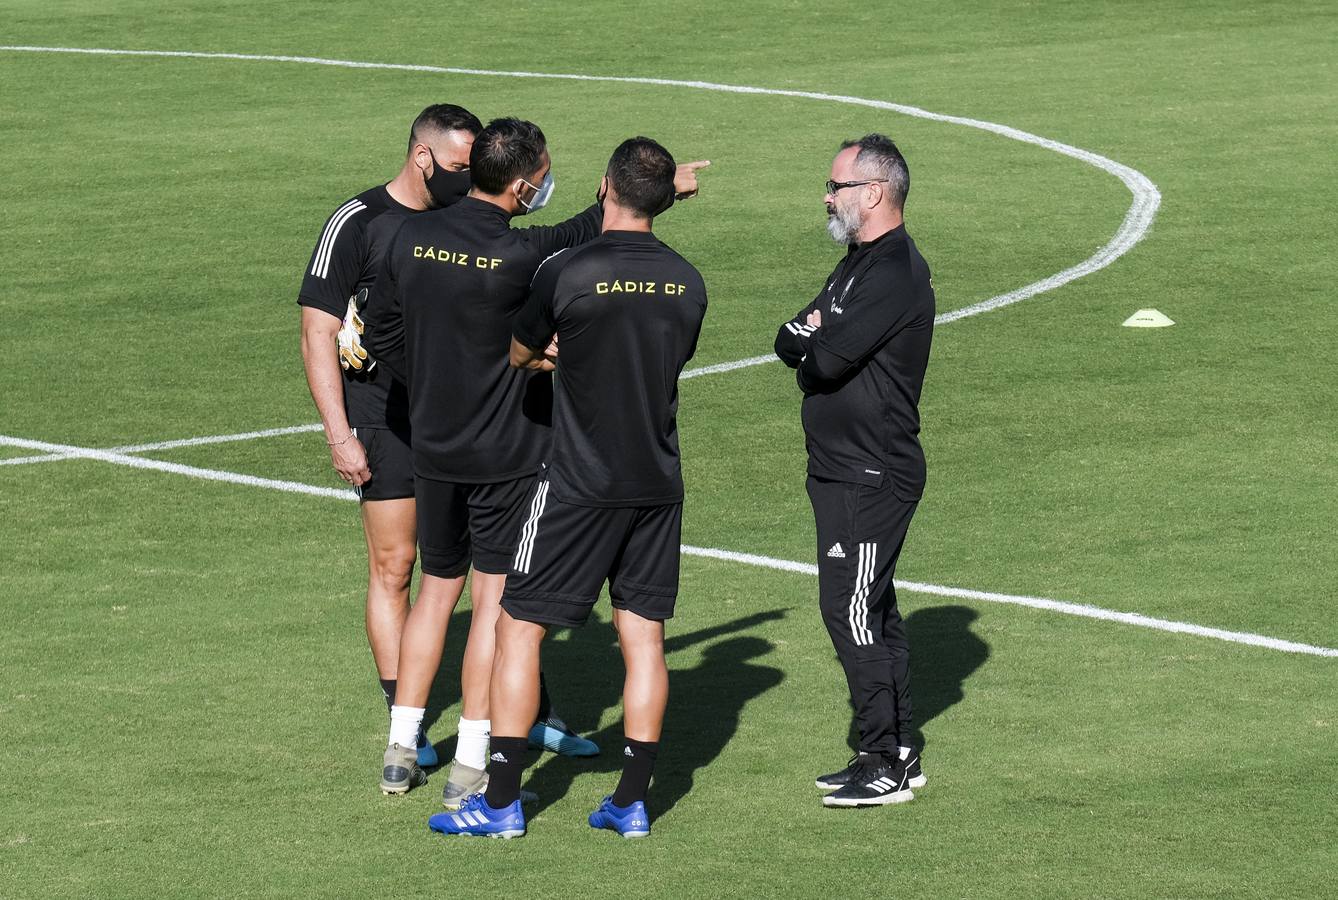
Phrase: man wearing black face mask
(364, 410)
(440, 317)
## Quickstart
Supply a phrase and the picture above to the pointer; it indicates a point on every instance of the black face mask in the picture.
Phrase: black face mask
(446, 187)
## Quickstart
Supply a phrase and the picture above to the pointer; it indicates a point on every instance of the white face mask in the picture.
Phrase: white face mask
(544, 190)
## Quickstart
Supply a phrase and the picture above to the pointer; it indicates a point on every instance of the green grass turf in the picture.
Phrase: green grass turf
(187, 705)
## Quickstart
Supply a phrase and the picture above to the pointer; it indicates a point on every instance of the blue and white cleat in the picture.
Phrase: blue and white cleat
(476, 817)
(552, 734)
(629, 821)
(427, 754)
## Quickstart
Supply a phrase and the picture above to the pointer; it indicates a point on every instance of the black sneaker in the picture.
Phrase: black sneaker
(875, 782)
(840, 779)
(914, 774)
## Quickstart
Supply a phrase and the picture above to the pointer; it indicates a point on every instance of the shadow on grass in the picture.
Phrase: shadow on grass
(706, 701)
(944, 653)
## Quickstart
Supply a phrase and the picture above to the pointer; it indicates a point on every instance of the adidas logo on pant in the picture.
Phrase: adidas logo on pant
(498, 757)
(627, 751)
(836, 552)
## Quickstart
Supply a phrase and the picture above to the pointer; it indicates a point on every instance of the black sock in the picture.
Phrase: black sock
(638, 763)
(545, 704)
(388, 688)
(505, 767)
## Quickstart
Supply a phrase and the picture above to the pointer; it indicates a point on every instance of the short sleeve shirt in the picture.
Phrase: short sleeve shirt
(627, 311)
(343, 263)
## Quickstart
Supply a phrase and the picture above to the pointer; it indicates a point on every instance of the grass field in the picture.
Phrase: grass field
(187, 704)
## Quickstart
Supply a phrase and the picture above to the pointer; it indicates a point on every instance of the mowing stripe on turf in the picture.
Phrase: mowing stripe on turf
(767, 562)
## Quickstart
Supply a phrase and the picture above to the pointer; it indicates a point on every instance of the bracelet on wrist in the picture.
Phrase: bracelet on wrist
(340, 443)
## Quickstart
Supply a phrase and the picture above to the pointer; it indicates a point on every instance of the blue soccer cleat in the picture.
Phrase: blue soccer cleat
(476, 817)
(629, 821)
(552, 734)
(427, 754)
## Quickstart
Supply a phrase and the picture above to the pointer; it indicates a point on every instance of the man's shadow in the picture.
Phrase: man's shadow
(706, 701)
(944, 653)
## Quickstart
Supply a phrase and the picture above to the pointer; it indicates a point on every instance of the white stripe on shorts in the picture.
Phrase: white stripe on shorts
(530, 531)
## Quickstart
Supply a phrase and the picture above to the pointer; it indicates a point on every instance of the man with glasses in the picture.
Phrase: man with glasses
(363, 409)
(860, 350)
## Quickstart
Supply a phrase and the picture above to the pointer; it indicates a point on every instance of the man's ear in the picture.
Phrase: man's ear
(875, 198)
(422, 157)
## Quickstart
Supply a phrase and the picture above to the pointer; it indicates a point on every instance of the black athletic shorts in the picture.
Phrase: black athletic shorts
(460, 523)
(390, 461)
(567, 552)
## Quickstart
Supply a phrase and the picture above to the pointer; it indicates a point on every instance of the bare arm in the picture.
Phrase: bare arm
(523, 357)
(320, 358)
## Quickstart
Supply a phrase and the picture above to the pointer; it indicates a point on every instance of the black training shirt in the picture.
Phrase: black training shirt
(627, 311)
(861, 371)
(439, 317)
(344, 262)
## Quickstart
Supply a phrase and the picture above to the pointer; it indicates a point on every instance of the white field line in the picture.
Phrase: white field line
(170, 445)
(768, 562)
(136, 462)
(1136, 222)
(27, 460)
(215, 439)
(1059, 606)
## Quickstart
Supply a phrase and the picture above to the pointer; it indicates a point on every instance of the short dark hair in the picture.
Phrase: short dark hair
(503, 151)
(641, 172)
(879, 157)
(443, 117)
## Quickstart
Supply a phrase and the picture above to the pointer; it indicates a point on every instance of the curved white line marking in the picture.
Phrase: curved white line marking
(1135, 226)
(1136, 222)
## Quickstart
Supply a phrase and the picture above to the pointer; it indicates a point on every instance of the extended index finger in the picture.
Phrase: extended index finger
(699, 164)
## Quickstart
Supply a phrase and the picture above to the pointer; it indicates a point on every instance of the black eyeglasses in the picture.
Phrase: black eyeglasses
(834, 186)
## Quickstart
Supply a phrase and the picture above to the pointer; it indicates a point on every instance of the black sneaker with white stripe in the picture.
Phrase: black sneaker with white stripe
(837, 780)
(877, 781)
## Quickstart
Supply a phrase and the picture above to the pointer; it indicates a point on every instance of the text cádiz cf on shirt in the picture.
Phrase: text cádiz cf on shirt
(440, 318)
(627, 311)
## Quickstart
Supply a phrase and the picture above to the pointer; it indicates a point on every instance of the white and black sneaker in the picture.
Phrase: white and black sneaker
(840, 779)
(876, 781)
(916, 776)
(837, 780)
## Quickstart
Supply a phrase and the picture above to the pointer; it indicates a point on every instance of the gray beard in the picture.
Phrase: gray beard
(842, 226)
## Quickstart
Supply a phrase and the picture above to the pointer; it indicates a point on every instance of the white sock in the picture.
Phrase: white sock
(471, 747)
(404, 724)
(903, 752)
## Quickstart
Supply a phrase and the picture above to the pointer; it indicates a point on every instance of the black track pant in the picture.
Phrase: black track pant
(860, 533)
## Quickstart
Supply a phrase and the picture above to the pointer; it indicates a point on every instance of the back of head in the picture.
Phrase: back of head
(641, 175)
(440, 118)
(878, 157)
(506, 149)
